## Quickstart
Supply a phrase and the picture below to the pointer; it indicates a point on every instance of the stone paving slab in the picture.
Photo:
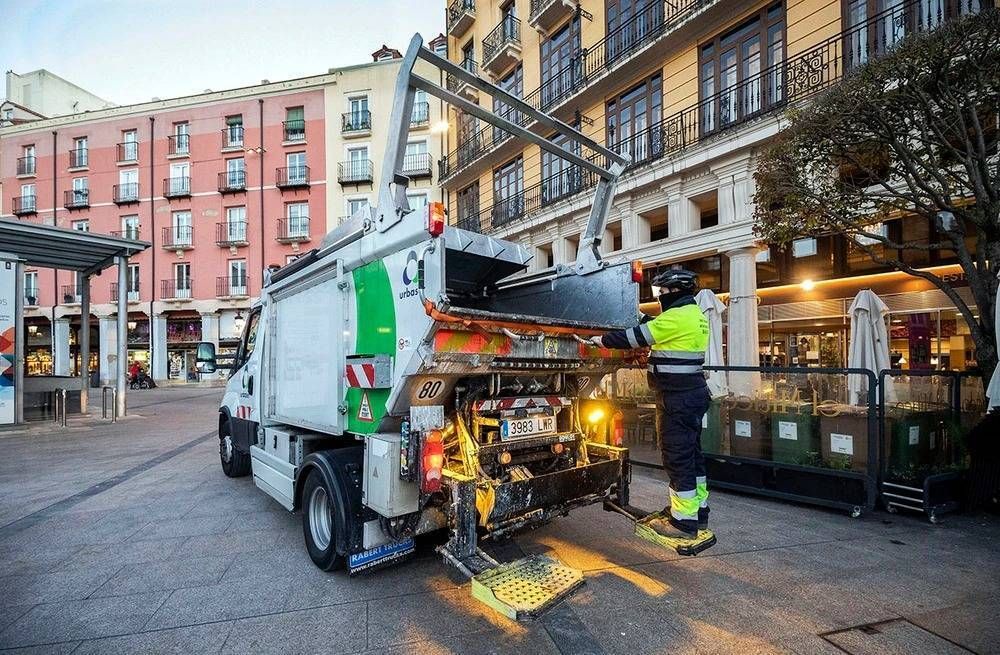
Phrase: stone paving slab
(175, 557)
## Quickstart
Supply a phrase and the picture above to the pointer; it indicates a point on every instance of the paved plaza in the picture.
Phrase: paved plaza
(128, 538)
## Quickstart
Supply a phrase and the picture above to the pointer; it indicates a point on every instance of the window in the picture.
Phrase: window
(182, 138)
(28, 198)
(514, 85)
(631, 117)
(180, 178)
(81, 193)
(128, 184)
(804, 248)
(468, 207)
(249, 338)
(295, 124)
(27, 164)
(78, 156)
(417, 201)
(560, 63)
(31, 288)
(358, 117)
(508, 199)
(130, 145)
(236, 176)
(237, 277)
(738, 70)
(132, 282)
(469, 56)
(233, 134)
(298, 219)
(180, 222)
(81, 226)
(236, 224)
(354, 205)
(629, 23)
(182, 280)
(296, 162)
(560, 178)
(421, 108)
(130, 226)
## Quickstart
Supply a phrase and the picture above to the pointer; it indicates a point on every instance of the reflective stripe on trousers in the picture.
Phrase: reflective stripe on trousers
(701, 490)
(684, 504)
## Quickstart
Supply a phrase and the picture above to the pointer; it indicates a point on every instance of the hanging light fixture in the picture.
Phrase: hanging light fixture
(238, 322)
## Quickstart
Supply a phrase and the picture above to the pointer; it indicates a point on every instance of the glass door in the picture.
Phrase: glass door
(298, 219)
(238, 277)
(296, 162)
(236, 224)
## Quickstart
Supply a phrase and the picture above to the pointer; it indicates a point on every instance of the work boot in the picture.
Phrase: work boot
(664, 527)
(703, 518)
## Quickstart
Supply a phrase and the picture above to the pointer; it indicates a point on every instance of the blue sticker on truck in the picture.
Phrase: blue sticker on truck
(379, 555)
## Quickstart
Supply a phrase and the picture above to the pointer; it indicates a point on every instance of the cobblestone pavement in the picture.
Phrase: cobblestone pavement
(127, 538)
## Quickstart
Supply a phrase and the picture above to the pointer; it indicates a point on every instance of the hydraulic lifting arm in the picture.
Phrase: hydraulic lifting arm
(392, 203)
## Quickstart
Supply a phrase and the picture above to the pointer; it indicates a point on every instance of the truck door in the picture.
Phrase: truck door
(245, 380)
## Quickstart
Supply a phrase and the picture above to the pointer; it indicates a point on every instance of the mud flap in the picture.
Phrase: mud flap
(526, 587)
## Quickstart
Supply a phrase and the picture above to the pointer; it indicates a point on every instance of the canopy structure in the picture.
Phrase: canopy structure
(33, 244)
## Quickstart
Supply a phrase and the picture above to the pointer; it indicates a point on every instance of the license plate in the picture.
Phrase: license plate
(516, 428)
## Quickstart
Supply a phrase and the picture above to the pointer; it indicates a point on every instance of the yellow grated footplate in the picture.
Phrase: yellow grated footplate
(704, 540)
(525, 587)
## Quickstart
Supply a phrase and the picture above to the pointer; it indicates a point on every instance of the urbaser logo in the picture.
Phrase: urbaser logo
(410, 273)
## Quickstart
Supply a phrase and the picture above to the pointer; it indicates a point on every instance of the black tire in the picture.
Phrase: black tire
(320, 534)
(235, 464)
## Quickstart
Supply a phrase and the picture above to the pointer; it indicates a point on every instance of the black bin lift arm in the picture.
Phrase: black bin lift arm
(392, 194)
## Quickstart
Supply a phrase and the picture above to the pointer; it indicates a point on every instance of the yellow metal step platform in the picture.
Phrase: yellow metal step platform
(704, 540)
(526, 587)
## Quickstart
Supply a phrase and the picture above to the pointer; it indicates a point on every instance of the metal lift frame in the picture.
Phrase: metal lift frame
(392, 204)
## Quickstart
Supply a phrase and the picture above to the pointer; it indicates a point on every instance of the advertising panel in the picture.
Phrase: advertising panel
(8, 289)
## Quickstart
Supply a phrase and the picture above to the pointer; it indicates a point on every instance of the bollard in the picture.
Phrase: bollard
(114, 403)
(55, 405)
(59, 406)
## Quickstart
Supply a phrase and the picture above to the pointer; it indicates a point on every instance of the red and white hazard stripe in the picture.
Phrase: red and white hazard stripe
(242, 411)
(361, 376)
(493, 405)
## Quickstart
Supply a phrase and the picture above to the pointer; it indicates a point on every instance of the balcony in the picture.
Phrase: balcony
(23, 205)
(178, 237)
(421, 114)
(232, 137)
(356, 123)
(78, 158)
(25, 166)
(546, 14)
(355, 171)
(128, 152)
(502, 46)
(470, 223)
(76, 198)
(177, 187)
(232, 181)
(176, 289)
(295, 130)
(231, 234)
(131, 295)
(130, 232)
(126, 194)
(230, 287)
(417, 165)
(31, 296)
(293, 230)
(71, 294)
(464, 89)
(461, 16)
(178, 145)
(291, 177)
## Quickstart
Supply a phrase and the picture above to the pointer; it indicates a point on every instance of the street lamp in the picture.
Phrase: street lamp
(238, 322)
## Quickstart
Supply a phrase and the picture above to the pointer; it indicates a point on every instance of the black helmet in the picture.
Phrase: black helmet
(679, 279)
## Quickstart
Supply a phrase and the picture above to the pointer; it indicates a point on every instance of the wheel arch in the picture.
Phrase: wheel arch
(342, 470)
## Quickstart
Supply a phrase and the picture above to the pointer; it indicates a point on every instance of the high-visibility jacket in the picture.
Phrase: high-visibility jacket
(677, 340)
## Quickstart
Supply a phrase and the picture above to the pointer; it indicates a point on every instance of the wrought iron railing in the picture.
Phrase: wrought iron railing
(232, 286)
(421, 114)
(457, 9)
(130, 232)
(232, 181)
(76, 198)
(231, 233)
(355, 171)
(417, 165)
(178, 237)
(177, 187)
(128, 151)
(131, 293)
(179, 144)
(31, 295)
(71, 293)
(452, 83)
(176, 289)
(291, 176)
(356, 121)
(23, 205)
(295, 130)
(26, 165)
(232, 136)
(293, 229)
(508, 31)
(78, 158)
(126, 193)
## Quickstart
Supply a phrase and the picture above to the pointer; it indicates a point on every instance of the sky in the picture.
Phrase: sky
(128, 52)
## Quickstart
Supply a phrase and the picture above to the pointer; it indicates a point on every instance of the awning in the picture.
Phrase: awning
(66, 249)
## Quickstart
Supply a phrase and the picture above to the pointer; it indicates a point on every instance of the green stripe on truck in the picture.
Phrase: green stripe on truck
(376, 335)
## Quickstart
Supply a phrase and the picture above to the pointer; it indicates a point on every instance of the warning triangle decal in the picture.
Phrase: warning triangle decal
(365, 411)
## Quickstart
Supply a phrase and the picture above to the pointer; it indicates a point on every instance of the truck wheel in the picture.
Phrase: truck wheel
(234, 463)
(318, 523)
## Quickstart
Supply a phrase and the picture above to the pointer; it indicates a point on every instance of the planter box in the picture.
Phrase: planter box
(795, 435)
(844, 438)
(749, 433)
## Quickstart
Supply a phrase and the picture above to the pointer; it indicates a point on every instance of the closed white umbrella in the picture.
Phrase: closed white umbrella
(869, 347)
(712, 308)
(993, 391)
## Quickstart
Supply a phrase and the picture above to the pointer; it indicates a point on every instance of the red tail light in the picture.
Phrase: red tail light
(637, 272)
(433, 461)
(435, 218)
(617, 429)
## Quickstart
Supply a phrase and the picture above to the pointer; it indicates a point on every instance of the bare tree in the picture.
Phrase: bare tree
(910, 136)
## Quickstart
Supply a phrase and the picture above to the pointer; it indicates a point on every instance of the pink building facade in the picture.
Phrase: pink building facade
(221, 185)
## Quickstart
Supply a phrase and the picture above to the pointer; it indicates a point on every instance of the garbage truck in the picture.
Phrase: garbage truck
(409, 376)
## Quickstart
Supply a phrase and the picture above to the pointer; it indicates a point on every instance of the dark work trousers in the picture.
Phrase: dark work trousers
(678, 428)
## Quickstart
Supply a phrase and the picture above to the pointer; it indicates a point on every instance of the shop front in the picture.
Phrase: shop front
(138, 340)
(38, 346)
(183, 336)
(74, 347)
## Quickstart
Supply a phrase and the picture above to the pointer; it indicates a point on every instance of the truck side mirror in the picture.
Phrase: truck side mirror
(205, 357)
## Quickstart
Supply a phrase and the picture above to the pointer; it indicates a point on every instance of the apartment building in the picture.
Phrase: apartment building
(692, 91)
(222, 184)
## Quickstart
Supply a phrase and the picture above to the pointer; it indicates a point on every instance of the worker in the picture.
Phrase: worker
(677, 339)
